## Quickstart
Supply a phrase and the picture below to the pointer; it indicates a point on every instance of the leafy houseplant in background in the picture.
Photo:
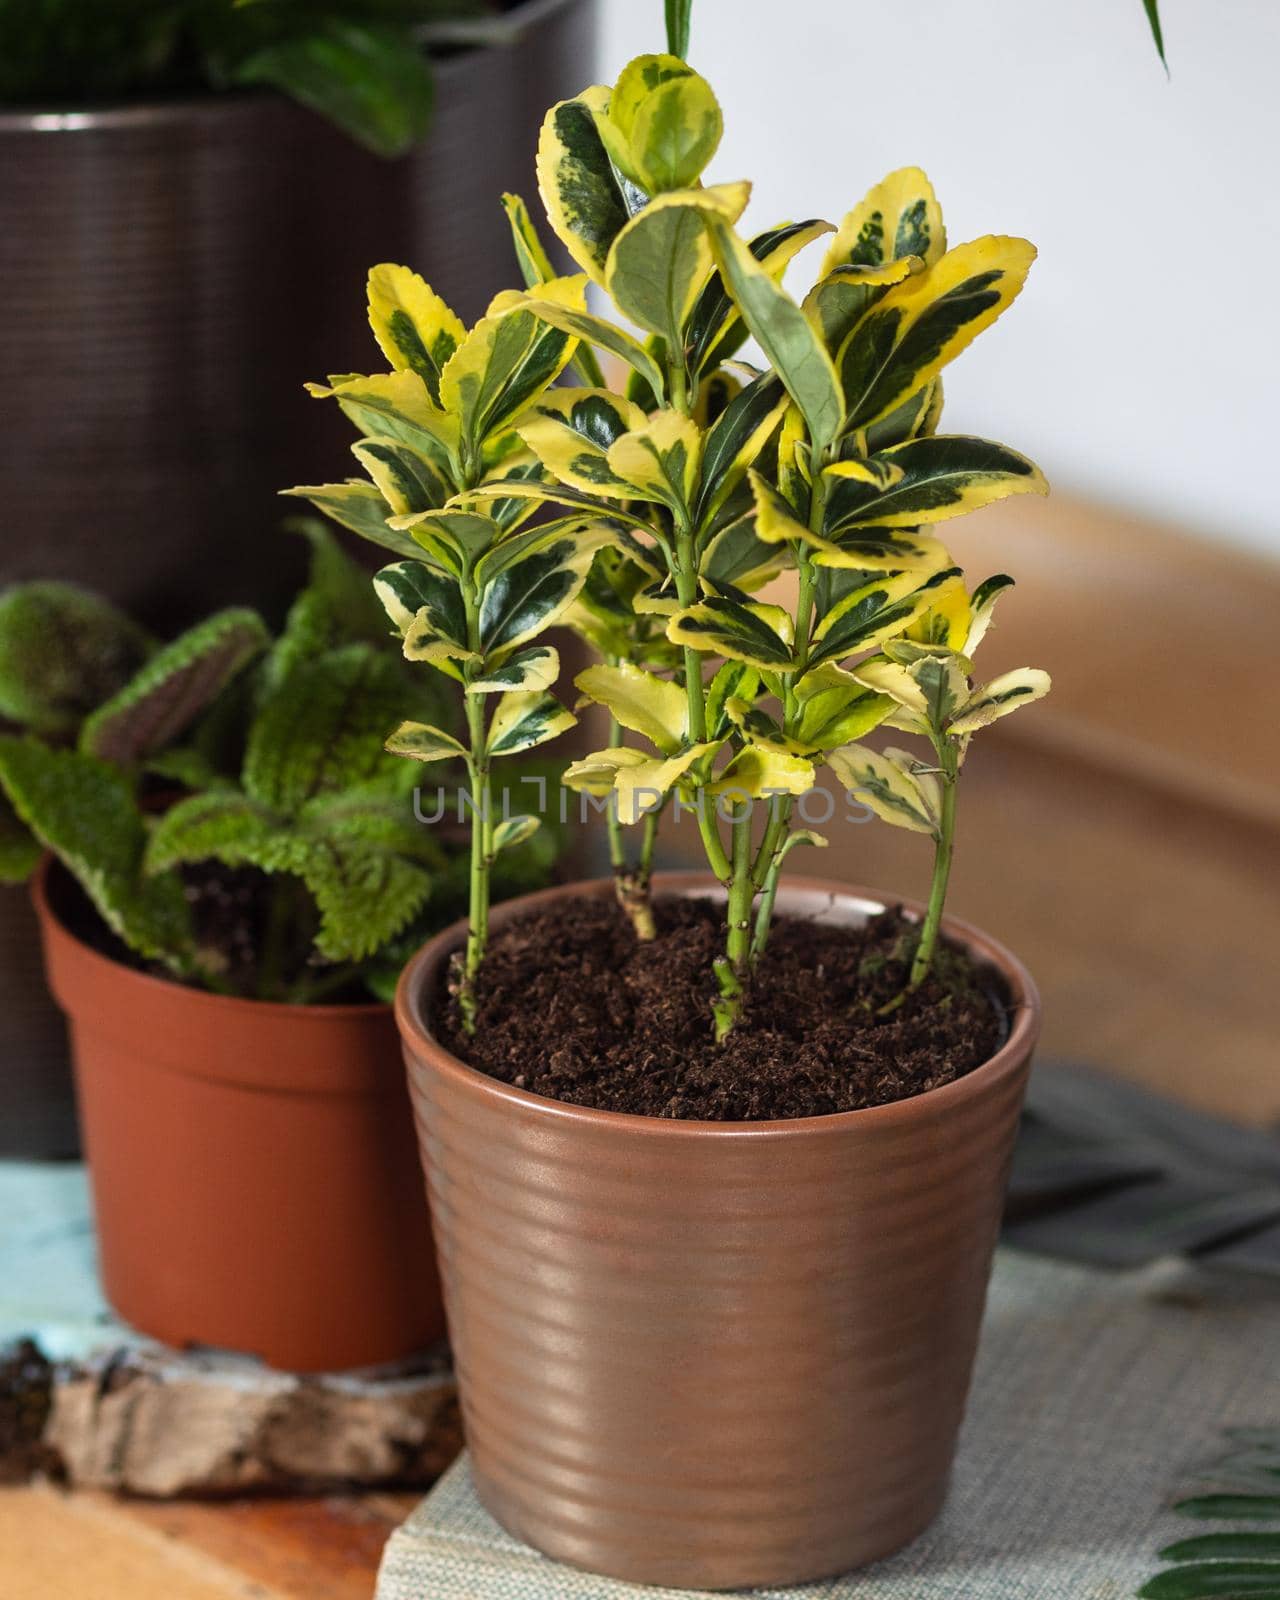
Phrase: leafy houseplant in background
(794, 1105)
(237, 859)
(159, 214)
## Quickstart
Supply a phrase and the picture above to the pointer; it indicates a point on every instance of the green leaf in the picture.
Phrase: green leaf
(525, 720)
(538, 667)
(415, 329)
(174, 687)
(1241, 1507)
(898, 218)
(587, 200)
(1224, 1547)
(63, 652)
(886, 785)
(785, 334)
(337, 606)
(512, 831)
(85, 812)
(570, 431)
(1233, 1580)
(869, 612)
(372, 81)
(660, 461)
(1152, 8)
(999, 697)
(430, 603)
(323, 727)
(662, 258)
(531, 254)
(736, 440)
(405, 478)
(20, 850)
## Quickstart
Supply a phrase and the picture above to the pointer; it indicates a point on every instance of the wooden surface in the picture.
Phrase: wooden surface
(1124, 837)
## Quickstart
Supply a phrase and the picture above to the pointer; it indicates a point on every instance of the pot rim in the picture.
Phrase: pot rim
(148, 110)
(149, 983)
(418, 979)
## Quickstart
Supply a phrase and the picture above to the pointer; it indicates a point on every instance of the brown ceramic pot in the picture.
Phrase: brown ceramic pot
(255, 1178)
(705, 1354)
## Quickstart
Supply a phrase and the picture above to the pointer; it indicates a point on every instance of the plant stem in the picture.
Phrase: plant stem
(941, 873)
(677, 13)
(731, 969)
(481, 820)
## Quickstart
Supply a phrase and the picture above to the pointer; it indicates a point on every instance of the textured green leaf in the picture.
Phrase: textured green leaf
(85, 812)
(174, 687)
(373, 81)
(337, 606)
(19, 848)
(1224, 1547)
(63, 652)
(1204, 1580)
(323, 727)
(1234, 1507)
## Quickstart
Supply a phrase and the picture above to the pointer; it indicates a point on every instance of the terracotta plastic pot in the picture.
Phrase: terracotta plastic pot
(714, 1355)
(255, 1178)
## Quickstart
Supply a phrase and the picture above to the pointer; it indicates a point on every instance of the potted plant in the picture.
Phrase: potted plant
(237, 874)
(716, 1171)
(160, 294)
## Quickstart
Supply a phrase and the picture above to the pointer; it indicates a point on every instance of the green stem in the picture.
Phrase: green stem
(612, 822)
(677, 15)
(941, 873)
(482, 821)
(732, 968)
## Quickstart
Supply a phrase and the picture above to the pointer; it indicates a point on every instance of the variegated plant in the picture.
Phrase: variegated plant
(685, 488)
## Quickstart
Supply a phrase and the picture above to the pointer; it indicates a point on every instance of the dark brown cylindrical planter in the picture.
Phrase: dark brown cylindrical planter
(255, 1178)
(714, 1355)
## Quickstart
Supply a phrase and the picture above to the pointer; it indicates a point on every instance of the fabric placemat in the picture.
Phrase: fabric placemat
(1099, 1400)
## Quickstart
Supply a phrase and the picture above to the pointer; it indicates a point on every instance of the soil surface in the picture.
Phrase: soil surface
(572, 1006)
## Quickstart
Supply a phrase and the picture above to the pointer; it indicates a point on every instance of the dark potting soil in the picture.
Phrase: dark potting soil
(572, 1006)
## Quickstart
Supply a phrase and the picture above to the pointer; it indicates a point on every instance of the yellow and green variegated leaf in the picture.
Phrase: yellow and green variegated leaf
(999, 697)
(981, 607)
(651, 706)
(918, 415)
(939, 477)
(637, 80)
(800, 836)
(759, 634)
(538, 667)
(868, 614)
(642, 785)
(531, 255)
(661, 461)
(587, 202)
(600, 333)
(509, 357)
(512, 831)
(597, 773)
(524, 720)
(946, 623)
(395, 405)
(424, 743)
(674, 131)
(885, 786)
(883, 550)
(926, 779)
(530, 595)
(662, 258)
(359, 506)
(735, 441)
(878, 473)
(587, 534)
(715, 330)
(763, 770)
(736, 557)
(833, 707)
(899, 217)
(931, 684)
(918, 326)
(657, 599)
(570, 431)
(839, 300)
(784, 333)
(562, 495)
(407, 480)
(510, 511)
(794, 476)
(414, 328)
(454, 540)
(407, 589)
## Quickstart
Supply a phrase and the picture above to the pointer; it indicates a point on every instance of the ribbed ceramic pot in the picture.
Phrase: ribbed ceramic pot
(705, 1354)
(255, 1178)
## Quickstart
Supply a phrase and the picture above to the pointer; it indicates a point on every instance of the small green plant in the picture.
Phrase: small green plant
(360, 63)
(685, 489)
(141, 765)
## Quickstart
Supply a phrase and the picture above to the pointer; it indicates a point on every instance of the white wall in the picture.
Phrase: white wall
(1140, 363)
